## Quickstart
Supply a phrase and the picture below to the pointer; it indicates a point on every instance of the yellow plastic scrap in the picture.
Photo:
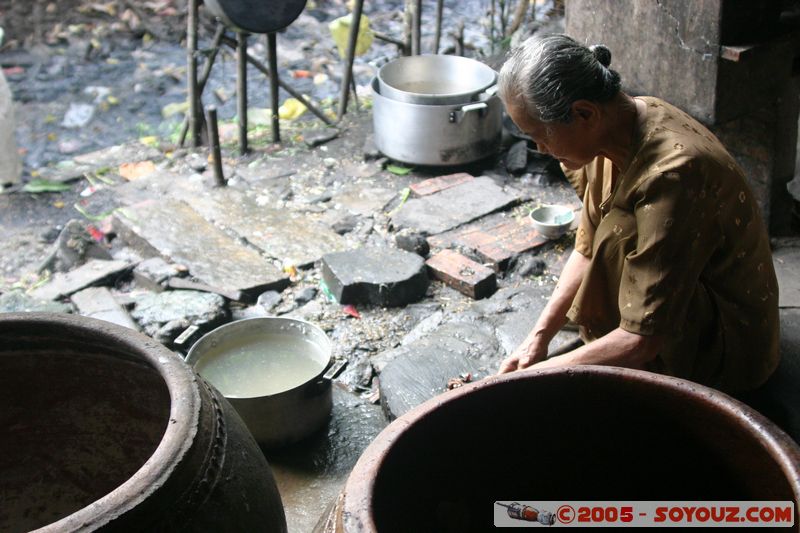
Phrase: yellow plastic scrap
(291, 109)
(340, 31)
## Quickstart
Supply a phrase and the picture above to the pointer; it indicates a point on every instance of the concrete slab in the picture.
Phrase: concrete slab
(787, 268)
(379, 276)
(93, 272)
(291, 237)
(107, 158)
(453, 206)
(98, 302)
(365, 201)
(211, 255)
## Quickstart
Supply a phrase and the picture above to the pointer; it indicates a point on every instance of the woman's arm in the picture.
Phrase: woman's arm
(534, 348)
(617, 348)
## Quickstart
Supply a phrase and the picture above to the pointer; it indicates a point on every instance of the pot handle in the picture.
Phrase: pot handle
(317, 387)
(458, 114)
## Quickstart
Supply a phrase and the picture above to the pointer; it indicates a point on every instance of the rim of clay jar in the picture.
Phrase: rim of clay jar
(358, 511)
(181, 427)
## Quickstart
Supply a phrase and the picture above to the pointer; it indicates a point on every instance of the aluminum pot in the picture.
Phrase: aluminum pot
(448, 134)
(435, 79)
(277, 414)
(581, 433)
(104, 428)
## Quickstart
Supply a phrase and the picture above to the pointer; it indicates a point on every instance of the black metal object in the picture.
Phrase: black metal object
(347, 75)
(272, 52)
(216, 153)
(201, 83)
(416, 29)
(194, 96)
(256, 16)
(438, 36)
(241, 90)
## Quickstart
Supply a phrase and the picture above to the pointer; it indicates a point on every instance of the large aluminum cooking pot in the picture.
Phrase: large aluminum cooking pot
(435, 79)
(449, 134)
(276, 372)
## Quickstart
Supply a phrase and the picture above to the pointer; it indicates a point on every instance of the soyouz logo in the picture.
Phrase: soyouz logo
(747, 514)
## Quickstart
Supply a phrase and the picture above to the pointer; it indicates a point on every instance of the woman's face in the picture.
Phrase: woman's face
(569, 142)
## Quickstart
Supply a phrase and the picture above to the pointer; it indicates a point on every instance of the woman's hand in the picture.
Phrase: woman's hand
(526, 354)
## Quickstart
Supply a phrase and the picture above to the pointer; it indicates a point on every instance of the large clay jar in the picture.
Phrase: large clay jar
(581, 434)
(103, 428)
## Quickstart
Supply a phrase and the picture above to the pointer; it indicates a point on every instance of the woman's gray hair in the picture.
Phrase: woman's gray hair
(547, 74)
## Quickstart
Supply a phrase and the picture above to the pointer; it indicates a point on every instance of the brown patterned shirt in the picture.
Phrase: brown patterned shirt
(678, 248)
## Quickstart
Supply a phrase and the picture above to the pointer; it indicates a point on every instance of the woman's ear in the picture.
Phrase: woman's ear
(585, 111)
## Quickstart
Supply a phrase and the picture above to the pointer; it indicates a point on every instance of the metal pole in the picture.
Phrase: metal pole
(347, 75)
(283, 85)
(216, 153)
(417, 29)
(241, 90)
(191, 56)
(201, 84)
(437, 37)
(272, 50)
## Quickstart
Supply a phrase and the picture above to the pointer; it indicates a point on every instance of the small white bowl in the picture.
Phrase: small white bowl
(552, 221)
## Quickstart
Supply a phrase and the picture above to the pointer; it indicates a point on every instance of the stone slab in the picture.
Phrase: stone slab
(291, 237)
(173, 230)
(787, 268)
(439, 183)
(110, 157)
(420, 370)
(373, 275)
(16, 301)
(495, 240)
(453, 207)
(165, 315)
(93, 272)
(98, 302)
(463, 274)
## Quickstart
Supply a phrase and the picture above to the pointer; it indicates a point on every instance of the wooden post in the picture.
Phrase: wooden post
(416, 38)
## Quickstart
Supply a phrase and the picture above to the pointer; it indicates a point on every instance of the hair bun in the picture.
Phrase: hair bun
(601, 53)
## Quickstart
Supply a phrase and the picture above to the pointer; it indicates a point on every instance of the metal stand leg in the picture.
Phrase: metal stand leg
(191, 56)
(416, 34)
(241, 90)
(283, 85)
(201, 84)
(272, 50)
(347, 75)
(438, 35)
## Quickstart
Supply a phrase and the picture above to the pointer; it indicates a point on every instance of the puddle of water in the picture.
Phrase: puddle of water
(311, 474)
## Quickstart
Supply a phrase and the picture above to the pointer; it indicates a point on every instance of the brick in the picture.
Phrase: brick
(440, 183)
(494, 242)
(463, 274)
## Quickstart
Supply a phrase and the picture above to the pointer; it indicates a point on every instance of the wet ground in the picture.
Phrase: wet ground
(85, 86)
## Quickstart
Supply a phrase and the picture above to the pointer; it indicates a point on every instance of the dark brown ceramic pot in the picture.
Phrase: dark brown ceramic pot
(103, 428)
(585, 433)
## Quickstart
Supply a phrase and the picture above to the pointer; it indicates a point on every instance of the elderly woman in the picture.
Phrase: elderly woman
(671, 270)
